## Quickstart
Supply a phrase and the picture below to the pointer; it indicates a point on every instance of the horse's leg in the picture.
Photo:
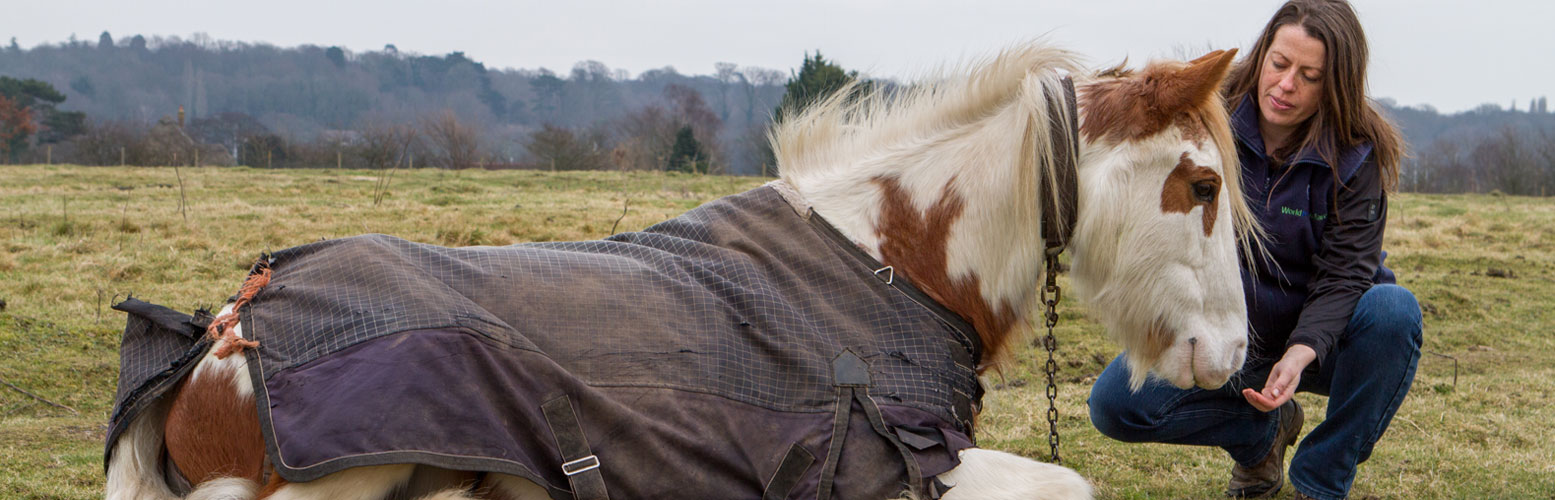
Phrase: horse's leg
(361, 483)
(426, 480)
(371, 483)
(135, 472)
(225, 488)
(505, 487)
(996, 475)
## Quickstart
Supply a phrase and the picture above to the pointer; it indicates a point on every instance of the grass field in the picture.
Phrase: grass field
(74, 239)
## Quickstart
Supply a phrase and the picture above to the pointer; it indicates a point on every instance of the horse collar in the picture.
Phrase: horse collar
(1059, 213)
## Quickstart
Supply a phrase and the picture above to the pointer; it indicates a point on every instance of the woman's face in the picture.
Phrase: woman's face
(1290, 81)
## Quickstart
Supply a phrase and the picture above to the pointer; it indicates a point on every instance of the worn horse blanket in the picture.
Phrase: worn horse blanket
(741, 350)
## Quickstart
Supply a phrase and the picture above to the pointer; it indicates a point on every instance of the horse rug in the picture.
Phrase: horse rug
(741, 350)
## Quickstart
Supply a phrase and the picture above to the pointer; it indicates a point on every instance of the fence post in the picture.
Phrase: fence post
(337, 159)
(121, 156)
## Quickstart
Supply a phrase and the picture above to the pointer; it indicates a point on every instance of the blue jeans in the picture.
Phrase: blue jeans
(1365, 378)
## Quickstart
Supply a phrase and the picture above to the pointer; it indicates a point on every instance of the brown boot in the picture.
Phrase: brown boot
(1266, 478)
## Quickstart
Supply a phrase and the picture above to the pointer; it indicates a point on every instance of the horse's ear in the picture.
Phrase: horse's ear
(1192, 85)
(1138, 105)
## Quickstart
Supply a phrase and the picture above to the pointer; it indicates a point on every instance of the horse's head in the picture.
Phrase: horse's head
(938, 180)
(1161, 210)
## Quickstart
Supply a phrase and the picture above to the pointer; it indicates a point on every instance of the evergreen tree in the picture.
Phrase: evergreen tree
(336, 56)
(15, 126)
(686, 155)
(35, 97)
(28, 93)
(817, 79)
(104, 41)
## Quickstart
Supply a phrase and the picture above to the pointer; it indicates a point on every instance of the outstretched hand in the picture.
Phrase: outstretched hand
(1283, 379)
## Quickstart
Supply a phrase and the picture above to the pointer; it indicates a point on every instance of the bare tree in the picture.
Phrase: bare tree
(453, 144)
(561, 149)
(756, 78)
(645, 137)
(1509, 162)
(727, 74)
(107, 143)
(383, 145)
(1547, 157)
(1440, 169)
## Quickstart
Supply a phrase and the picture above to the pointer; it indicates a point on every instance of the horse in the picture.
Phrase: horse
(940, 184)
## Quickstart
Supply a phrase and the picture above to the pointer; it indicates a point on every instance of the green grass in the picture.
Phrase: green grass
(74, 239)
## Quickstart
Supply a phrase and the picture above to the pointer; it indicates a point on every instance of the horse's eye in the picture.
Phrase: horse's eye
(1205, 191)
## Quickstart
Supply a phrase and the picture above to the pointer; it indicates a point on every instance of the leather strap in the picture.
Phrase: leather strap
(850, 373)
(839, 433)
(578, 461)
(1059, 214)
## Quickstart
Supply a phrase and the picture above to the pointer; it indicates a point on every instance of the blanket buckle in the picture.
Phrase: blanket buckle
(890, 274)
(581, 465)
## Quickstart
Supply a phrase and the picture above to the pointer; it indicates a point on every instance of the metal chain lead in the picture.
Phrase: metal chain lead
(1050, 296)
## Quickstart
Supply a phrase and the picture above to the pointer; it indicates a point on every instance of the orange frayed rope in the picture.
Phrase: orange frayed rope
(222, 327)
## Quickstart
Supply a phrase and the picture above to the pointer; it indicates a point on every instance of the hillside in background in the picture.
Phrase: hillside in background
(312, 106)
(301, 93)
(1481, 150)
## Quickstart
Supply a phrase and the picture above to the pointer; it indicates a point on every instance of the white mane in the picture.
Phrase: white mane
(845, 128)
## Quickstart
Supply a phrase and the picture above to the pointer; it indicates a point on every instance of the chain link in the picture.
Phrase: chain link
(1050, 296)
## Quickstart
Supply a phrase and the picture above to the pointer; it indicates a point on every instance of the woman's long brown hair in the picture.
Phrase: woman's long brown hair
(1345, 114)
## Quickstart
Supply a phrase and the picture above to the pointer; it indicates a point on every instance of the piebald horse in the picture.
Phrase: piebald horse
(938, 181)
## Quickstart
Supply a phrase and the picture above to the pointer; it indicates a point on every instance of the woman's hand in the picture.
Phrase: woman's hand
(1283, 379)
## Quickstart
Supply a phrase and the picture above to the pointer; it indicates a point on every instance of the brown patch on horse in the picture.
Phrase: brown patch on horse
(1142, 104)
(916, 245)
(212, 433)
(1177, 194)
(1193, 129)
(276, 483)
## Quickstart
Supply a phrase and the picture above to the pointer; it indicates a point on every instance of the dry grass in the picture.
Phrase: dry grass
(72, 239)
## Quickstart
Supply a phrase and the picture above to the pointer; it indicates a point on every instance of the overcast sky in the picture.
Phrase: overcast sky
(1453, 55)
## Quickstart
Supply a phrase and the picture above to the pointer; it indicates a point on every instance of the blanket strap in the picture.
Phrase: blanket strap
(793, 467)
(850, 375)
(849, 372)
(914, 473)
(579, 462)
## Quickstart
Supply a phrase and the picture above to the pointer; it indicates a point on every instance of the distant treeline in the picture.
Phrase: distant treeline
(261, 105)
(304, 94)
(1482, 150)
